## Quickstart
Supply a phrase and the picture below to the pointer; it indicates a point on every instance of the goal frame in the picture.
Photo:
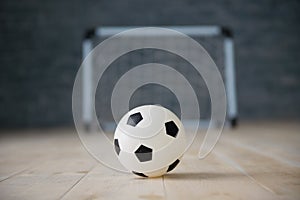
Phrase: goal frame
(204, 31)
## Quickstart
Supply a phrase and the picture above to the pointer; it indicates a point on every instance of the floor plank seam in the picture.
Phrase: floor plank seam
(14, 174)
(272, 156)
(77, 182)
(164, 187)
(235, 165)
(21, 171)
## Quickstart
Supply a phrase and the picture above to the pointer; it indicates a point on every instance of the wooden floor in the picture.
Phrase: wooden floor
(255, 161)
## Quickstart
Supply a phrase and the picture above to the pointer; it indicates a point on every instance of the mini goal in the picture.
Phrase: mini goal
(218, 42)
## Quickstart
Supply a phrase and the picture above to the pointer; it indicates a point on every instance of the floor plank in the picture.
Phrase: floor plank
(56, 163)
(211, 178)
(104, 183)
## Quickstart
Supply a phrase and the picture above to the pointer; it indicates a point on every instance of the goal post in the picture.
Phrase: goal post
(227, 62)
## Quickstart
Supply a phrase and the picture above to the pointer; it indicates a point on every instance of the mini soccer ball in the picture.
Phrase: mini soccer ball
(150, 140)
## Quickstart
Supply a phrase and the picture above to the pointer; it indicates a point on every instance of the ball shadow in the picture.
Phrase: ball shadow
(201, 175)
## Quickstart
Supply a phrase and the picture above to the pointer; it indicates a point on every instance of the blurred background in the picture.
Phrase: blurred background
(40, 52)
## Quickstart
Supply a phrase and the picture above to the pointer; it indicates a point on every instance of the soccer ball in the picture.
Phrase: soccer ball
(150, 140)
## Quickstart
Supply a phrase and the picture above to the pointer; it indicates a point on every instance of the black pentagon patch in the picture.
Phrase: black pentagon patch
(117, 146)
(134, 119)
(143, 153)
(139, 174)
(173, 165)
(171, 129)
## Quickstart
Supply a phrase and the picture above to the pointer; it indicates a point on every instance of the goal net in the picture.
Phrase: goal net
(217, 41)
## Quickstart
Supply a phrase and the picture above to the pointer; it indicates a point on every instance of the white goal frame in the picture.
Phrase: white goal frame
(207, 31)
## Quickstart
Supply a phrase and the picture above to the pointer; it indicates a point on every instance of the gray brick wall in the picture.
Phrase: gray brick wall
(40, 49)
